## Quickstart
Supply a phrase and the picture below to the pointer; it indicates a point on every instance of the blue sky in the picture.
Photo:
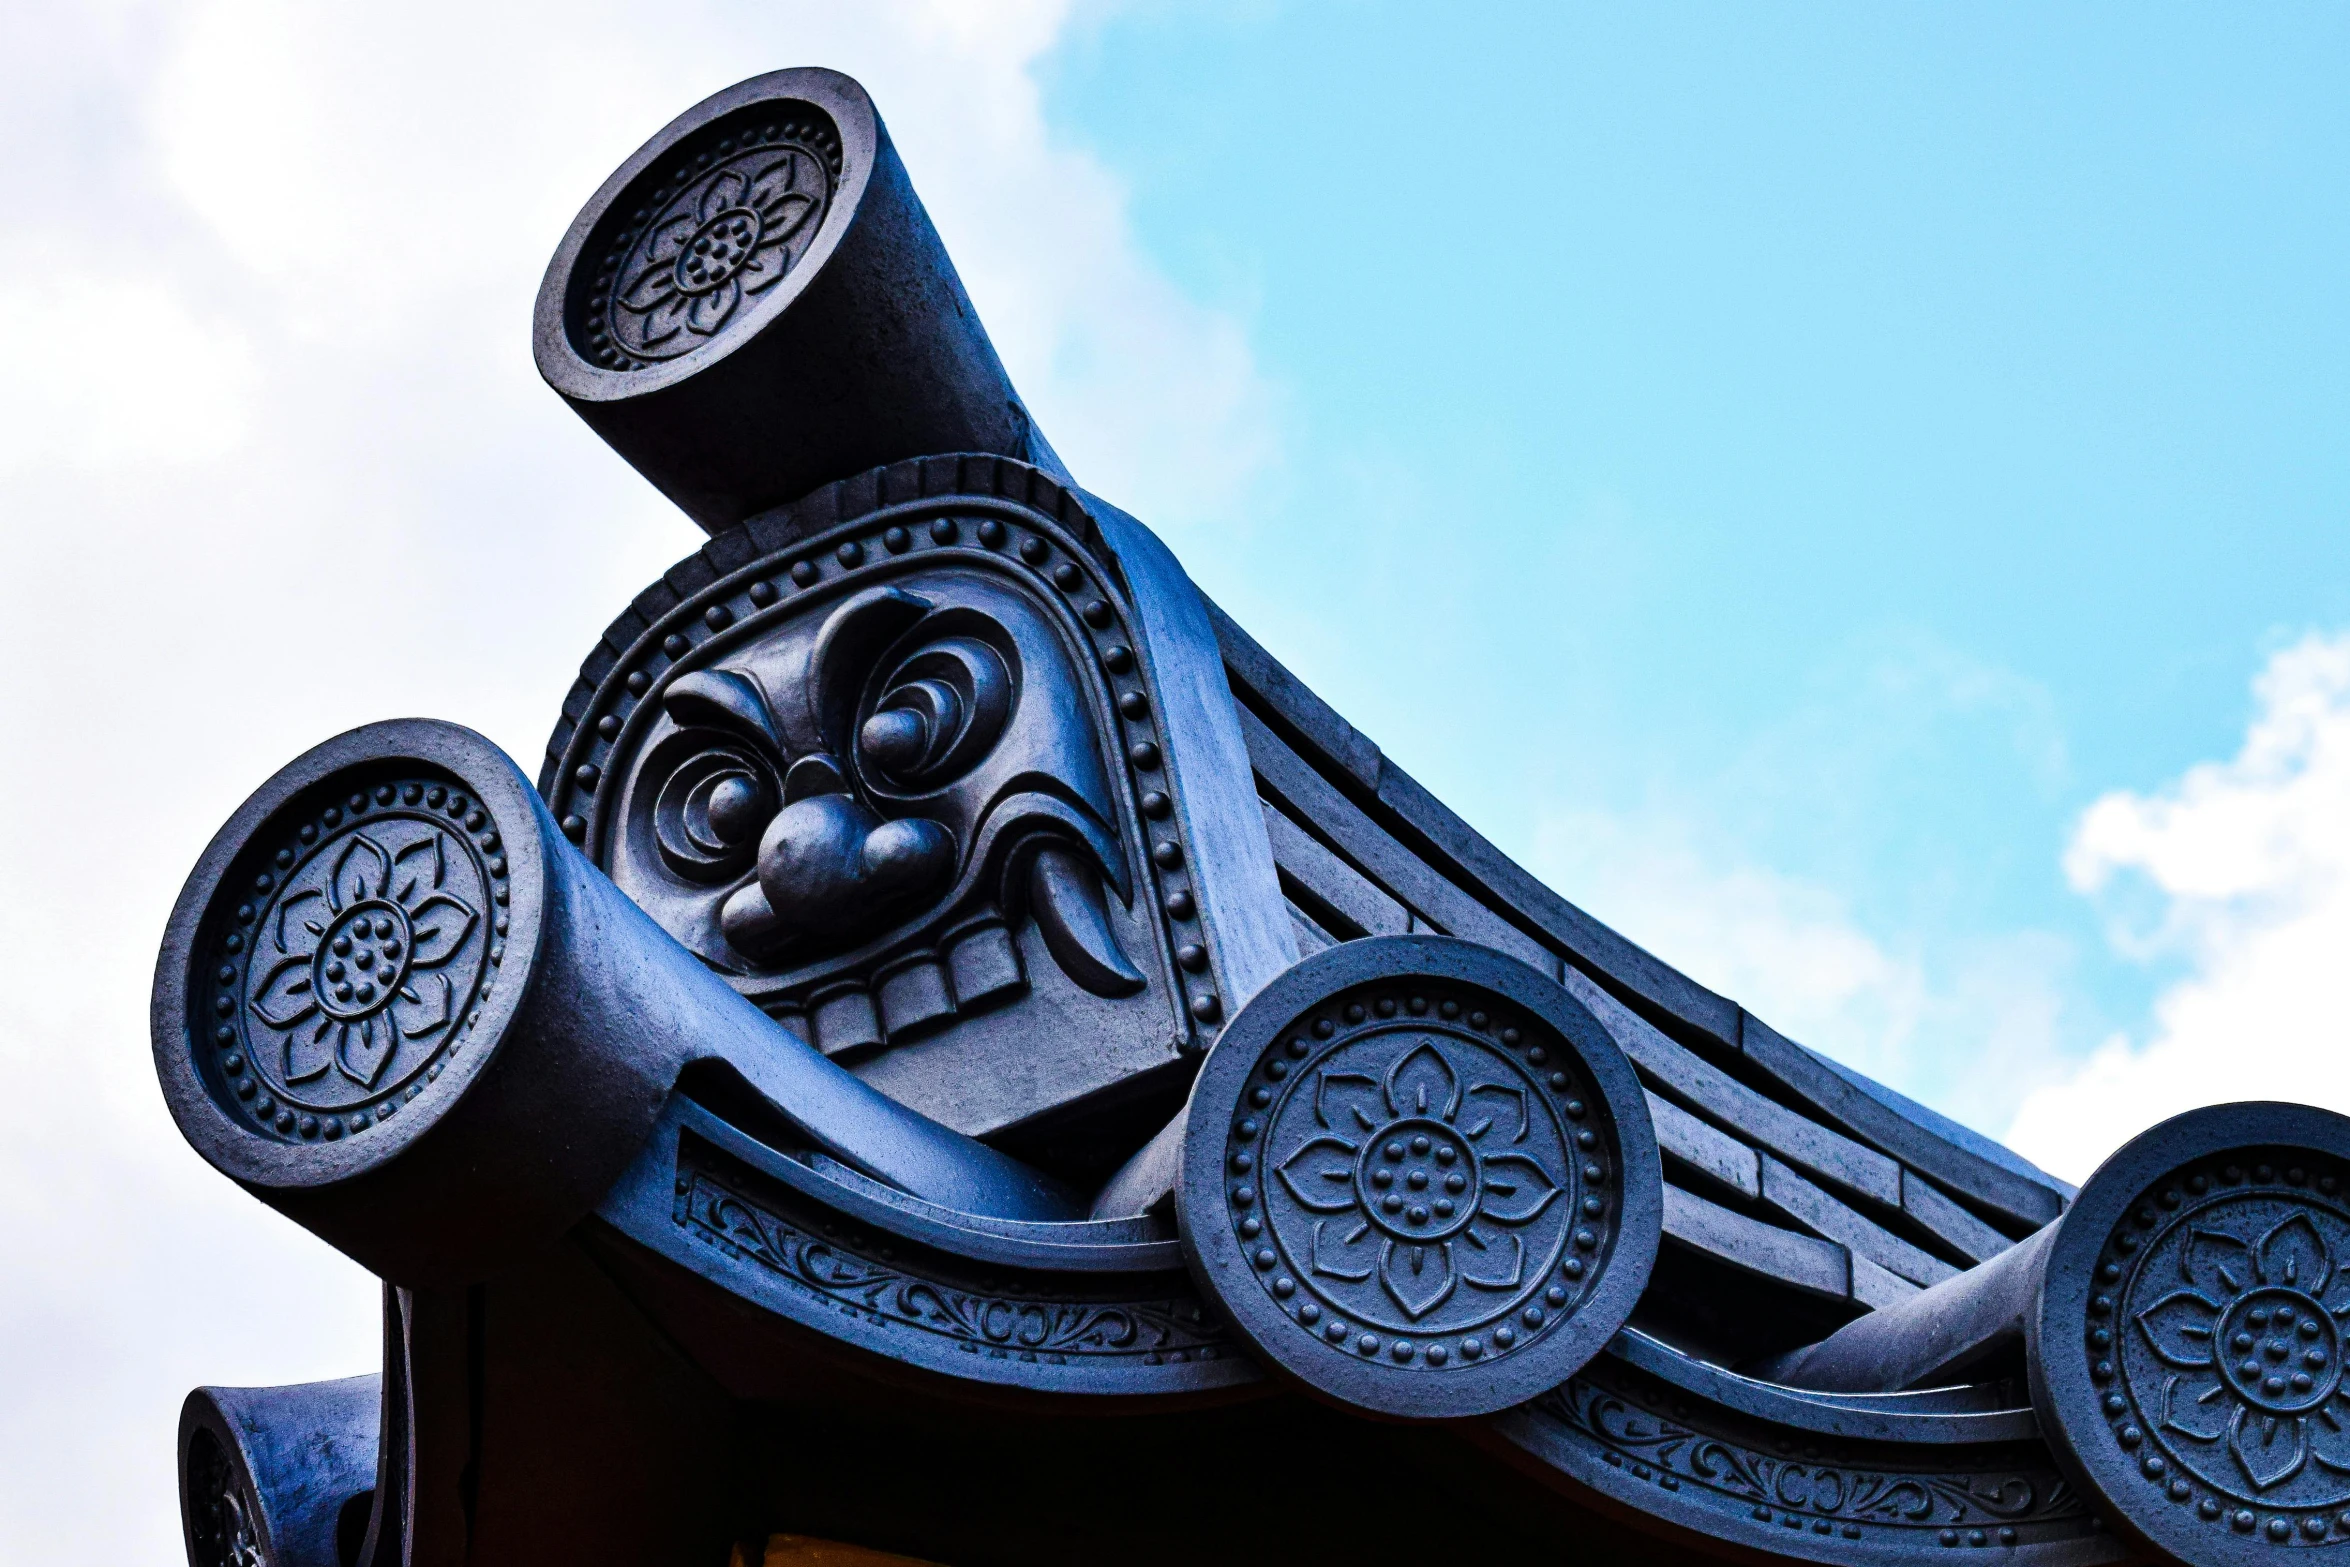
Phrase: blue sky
(1853, 496)
(1865, 435)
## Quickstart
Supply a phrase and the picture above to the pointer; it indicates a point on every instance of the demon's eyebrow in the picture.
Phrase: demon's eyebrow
(722, 699)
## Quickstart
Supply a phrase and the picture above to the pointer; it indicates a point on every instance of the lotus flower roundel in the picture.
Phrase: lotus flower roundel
(370, 934)
(736, 219)
(1414, 1181)
(2232, 1345)
(1419, 1177)
(1420, 1183)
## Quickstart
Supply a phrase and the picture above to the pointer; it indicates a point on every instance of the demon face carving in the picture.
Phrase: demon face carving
(893, 813)
(912, 751)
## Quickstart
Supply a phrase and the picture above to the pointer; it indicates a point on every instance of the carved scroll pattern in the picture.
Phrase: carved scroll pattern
(1829, 1489)
(1168, 1330)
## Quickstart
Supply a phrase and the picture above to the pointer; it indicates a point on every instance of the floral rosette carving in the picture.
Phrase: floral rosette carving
(2228, 1342)
(2210, 1311)
(1431, 1192)
(1401, 1193)
(352, 969)
(723, 231)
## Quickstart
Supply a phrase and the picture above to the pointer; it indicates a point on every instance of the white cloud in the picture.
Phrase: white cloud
(2237, 875)
(1786, 947)
(2247, 864)
(1913, 991)
(274, 461)
(1966, 1027)
(1154, 400)
(140, 375)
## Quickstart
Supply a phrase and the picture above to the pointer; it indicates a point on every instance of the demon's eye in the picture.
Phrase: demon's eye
(939, 711)
(710, 812)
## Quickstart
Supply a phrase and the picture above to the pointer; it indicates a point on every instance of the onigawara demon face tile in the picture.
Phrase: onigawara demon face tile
(919, 755)
(900, 782)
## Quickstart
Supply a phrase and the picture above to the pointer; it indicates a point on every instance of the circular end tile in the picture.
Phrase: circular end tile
(1420, 1178)
(2187, 1351)
(325, 979)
